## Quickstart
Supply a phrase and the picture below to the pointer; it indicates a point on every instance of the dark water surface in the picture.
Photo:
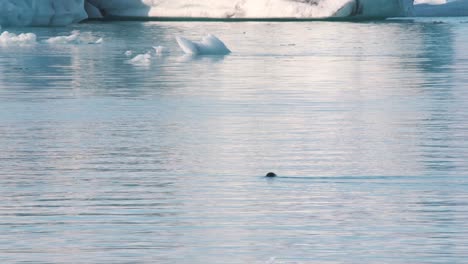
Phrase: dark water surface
(105, 161)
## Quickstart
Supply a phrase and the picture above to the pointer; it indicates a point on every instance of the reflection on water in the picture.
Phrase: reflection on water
(102, 161)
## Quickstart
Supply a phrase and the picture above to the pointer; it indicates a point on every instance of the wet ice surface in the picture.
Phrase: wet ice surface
(104, 161)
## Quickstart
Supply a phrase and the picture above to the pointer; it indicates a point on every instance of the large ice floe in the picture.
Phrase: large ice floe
(441, 8)
(63, 12)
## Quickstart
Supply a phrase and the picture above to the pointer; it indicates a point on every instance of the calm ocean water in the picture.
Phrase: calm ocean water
(105, 161)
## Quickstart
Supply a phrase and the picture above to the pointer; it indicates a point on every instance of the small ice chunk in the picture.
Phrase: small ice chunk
(209, 45)
(160, 50)
(128, 53)
(7, 38)
(141, 59)
(76, 37)
(73, 38)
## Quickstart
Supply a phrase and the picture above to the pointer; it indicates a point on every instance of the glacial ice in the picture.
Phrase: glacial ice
(92, 11)
(73, 38)
(253, 8)
(41, 12)
(141, 59)
(209, 45)
(76, 37)
(427, 8)
(160, 50)
(274, 8)
(63, 12)
(7, 38)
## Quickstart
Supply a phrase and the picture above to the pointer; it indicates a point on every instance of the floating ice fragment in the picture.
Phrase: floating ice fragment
(76, 37)
(209, 45)
(160, 50)
(141, 59)
(128, 53)
(7, 38)
(73, 38)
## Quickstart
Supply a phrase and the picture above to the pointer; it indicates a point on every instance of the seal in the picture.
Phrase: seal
(270, 175)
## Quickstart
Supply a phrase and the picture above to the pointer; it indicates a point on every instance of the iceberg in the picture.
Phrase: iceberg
(253, 9)
(426, 8)
(209, 45)
(64, 12)
(41, 12)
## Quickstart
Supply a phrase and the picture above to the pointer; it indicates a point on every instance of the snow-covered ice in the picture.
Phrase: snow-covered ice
(253, 8)
(209, 45)
(63, 12)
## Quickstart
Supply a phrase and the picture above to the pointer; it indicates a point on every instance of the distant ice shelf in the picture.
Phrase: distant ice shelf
(254, 9)
(442, 8)
(64, 12)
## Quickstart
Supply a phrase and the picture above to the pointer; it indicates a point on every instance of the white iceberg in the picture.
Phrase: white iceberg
(225, 9)
(431, 8)
(63, 12)
(209, 45)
